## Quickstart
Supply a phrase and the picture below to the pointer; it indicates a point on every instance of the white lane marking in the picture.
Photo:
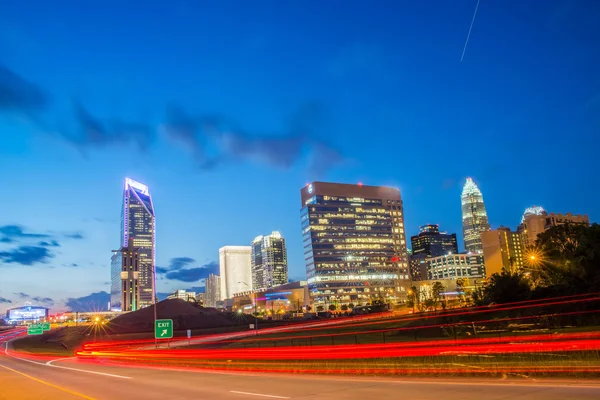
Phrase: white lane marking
(59, 359)
(259, 394)
(61, 367)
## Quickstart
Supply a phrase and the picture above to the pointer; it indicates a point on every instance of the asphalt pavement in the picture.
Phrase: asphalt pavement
(80, 379)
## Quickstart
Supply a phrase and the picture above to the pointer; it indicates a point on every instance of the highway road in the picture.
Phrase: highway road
(77, 379)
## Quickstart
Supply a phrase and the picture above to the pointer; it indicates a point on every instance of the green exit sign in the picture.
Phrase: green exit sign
(35, 330)
(163, 329)
(46, 326)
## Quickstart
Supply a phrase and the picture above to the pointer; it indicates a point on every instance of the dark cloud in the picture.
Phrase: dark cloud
(3, 300)
(26, 255)
(51, 243)
(19, 95)
(22, 295)
(91, 131)
(215, 140)
(45, 300)
(175, 264)
(193, 274)
(92, 302)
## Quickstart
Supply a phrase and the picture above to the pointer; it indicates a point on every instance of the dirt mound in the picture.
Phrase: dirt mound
(184, 315)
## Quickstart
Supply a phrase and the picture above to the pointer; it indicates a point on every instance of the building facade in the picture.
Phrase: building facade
(235, 270)
(354, 243)
(126, 291)
(454, 266)
(138, 223)
(474, 216)
(433, 243)
(269, 261)
(502, 250)
(534, 224)
(182, 294)
(213, 290)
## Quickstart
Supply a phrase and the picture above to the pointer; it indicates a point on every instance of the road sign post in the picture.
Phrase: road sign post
(163, 329)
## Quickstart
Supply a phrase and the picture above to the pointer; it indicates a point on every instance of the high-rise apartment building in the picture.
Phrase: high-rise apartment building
(213, 290)
(502, 250)
(125, 293)
(431, 242)
(474, 216)
(235, 271)
(269, 261)
(534, 224)
(354, 243)
(138, 223)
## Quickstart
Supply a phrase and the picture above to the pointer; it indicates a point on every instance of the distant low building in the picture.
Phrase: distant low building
(182, 295)
(449, 266)
(292, 296)
(533, 224)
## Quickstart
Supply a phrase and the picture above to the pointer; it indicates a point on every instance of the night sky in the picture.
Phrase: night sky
(226, 109)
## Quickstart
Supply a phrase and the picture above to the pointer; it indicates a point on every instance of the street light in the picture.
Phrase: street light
(255, 313)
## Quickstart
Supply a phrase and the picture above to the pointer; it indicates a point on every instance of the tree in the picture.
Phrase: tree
(569, 258)
(344, 307)
(460, 289)
(320, 308)
(351, 306)
(436, 290)
(332, 307)
(504, 287)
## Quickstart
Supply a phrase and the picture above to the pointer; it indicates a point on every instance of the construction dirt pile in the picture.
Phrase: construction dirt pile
(184, 315)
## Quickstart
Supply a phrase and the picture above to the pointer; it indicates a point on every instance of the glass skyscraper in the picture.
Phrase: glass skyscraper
(269, 261)
(138, 223)
(354, 243)
(474, 216)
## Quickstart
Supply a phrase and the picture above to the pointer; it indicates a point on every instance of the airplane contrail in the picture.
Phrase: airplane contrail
(469, 34)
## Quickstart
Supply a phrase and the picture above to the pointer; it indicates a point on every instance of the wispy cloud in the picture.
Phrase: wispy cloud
(3, 300)
(93, 302)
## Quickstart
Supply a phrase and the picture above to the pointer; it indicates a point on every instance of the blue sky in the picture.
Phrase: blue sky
(226, 109)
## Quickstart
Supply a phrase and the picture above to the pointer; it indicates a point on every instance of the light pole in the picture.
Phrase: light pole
(254, 301)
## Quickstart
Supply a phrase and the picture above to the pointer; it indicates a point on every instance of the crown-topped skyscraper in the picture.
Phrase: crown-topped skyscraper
(474, 216)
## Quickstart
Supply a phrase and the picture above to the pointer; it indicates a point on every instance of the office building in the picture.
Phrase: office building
(273, 302)
(201, 298)
(235, 271)
(502, 250)
(354, 243)
(474, 216)
(182, 294)
(213, 290)
(534, 224)
(454, 266)
(269, 261)
(138, 224)
(125, 293)
(431, 242)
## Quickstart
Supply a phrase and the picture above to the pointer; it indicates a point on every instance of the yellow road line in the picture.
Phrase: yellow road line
(83, 396)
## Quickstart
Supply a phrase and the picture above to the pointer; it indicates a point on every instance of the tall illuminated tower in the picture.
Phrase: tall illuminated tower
(139, 224)
(474, 216)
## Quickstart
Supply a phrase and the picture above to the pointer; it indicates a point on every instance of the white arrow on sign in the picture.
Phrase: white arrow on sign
(164, 332)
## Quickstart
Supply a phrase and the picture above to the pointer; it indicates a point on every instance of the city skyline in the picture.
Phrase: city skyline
(225, 138)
